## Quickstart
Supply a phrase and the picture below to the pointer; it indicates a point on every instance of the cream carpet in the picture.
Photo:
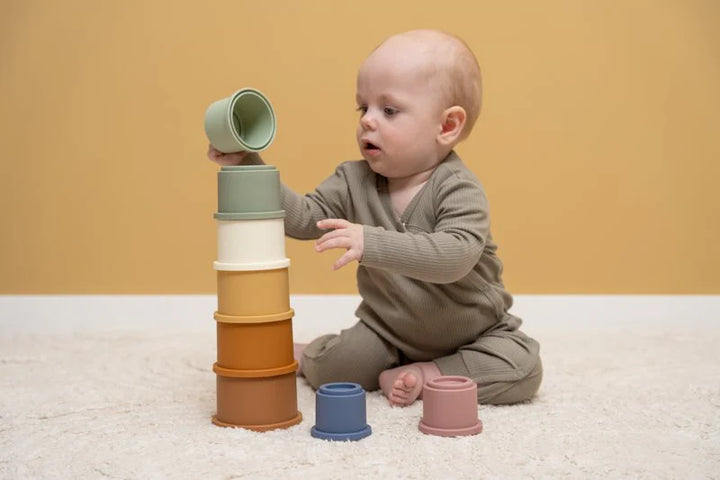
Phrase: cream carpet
(122, 387)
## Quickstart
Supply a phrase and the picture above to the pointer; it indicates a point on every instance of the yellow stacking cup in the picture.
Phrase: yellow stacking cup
(253, 292)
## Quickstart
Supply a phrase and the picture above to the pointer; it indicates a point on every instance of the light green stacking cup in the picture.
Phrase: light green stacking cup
(244, 121)
(249, 192)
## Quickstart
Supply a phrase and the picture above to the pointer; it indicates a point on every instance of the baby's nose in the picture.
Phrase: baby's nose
(367, 121)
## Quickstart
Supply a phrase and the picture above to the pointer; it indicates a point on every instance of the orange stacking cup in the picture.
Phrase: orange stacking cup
(258, 400)
(253, 292)
(251, 343)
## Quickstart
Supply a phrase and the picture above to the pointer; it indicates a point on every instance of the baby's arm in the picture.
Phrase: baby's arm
(302, 212)
(327, 201)
(445, 254)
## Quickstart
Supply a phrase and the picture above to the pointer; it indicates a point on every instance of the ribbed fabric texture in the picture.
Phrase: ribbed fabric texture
(430, 281)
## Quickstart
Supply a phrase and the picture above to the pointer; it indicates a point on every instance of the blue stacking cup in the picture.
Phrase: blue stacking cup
(340, 412)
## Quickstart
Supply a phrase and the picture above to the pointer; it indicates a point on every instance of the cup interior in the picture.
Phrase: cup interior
(340, 389)
(253, 119)
(451, 383)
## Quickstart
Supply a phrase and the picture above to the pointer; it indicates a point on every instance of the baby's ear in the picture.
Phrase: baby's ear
(453, 123)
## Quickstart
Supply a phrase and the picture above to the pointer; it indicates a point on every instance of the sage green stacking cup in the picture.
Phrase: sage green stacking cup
(244, 121)
(249, 192)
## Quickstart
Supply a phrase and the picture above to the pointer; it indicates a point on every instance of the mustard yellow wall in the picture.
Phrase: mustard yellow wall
(599, 143)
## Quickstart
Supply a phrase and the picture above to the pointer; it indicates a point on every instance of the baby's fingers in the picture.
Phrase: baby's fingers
(330, 235)
(330, 243)
(350, 256)
(333, 223)
(225, 159)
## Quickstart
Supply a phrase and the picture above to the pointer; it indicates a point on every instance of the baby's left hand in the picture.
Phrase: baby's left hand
(345, 235)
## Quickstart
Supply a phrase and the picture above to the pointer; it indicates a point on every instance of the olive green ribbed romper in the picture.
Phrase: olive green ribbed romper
(430, 282)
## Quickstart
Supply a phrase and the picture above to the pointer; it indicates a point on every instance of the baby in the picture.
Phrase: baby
(416, 219)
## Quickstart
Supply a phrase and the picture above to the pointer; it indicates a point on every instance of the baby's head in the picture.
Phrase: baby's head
(420, 94)
(448, 66)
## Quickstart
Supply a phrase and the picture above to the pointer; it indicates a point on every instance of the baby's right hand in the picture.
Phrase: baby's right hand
(225, 159)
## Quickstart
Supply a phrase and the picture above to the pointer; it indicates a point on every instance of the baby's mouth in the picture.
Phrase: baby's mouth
(371, 147)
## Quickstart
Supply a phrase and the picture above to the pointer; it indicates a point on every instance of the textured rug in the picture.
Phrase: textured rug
(122, 387)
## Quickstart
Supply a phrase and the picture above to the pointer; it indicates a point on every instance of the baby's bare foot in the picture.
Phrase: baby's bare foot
(403, 385)
(407, 387)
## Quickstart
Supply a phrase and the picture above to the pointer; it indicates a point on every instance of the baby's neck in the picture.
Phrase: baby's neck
(410, 182)
(403, 190)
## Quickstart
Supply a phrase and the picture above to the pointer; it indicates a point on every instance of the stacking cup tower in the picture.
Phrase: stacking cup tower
(255, 368)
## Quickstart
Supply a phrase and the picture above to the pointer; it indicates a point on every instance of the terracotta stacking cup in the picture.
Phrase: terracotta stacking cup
(251, 343)
(340, 412)
(253, 292)
(257, 400)
(450, 407)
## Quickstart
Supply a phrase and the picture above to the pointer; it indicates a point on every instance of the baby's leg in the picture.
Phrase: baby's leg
(504, 362)
(357, 355)
(298, 349)
(403, 385)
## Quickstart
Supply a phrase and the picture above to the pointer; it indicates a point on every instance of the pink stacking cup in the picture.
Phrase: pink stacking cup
(450, 407)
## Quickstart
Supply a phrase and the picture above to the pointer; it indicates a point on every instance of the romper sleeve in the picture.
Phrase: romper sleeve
(302, 212)
(445, 254)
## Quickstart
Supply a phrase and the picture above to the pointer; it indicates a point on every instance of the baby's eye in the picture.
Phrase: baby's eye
(362, 109)
(389, 111)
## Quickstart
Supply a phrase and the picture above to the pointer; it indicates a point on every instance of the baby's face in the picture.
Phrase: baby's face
(400, 112)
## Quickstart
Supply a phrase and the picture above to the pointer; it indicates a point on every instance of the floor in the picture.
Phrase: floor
(122, 387)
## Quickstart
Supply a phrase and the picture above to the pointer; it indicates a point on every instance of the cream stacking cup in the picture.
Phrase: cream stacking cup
(251, 243)
(255, 368)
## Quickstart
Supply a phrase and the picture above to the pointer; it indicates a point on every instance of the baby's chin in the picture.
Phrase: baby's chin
(382, 165)
(384, 172)
(375, 165)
